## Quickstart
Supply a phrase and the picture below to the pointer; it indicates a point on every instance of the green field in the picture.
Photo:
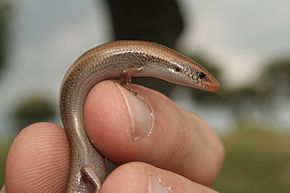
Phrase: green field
(256, 161)
(3, 154)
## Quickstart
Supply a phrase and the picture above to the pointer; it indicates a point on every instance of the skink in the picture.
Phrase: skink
(107, 61)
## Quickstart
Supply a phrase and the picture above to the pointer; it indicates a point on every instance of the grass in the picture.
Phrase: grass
(257, 160)
(4, 147)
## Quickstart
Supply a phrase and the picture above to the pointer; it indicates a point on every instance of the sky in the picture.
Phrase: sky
(47, 36)
(242, 35)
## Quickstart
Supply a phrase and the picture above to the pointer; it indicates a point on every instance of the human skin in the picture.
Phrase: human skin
(162, 147)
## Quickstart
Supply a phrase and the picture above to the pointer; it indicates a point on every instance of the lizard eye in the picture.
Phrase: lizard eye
(177, 69)
(201, 75)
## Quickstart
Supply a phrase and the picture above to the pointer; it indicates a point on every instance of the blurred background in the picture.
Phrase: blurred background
(245, 45)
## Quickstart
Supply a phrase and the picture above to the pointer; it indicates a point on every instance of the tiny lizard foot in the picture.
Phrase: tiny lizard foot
(89, 175)
(126, 78)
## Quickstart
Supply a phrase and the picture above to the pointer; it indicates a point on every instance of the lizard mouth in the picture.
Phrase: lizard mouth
(213, 86)
(210, 83)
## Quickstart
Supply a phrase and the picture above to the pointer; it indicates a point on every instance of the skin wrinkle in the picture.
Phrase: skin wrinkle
(174, 145)
(212, 151)
(201, 151)
(188, 138)
(182, 152)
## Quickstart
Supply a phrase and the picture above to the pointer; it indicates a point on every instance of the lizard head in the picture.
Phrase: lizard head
(182, 70)
(196, 76)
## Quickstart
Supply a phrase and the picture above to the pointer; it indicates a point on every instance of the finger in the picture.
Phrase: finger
(38, 160)
(151, 128)
(143, 178)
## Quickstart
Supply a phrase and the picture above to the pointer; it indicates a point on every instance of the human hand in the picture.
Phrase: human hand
(175, 149)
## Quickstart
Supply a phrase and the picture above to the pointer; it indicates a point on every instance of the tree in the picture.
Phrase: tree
(33, 109)
(260, 98)
(276, 77)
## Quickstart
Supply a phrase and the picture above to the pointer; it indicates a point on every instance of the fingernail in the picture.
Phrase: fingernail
(141, 115)
(157, 186)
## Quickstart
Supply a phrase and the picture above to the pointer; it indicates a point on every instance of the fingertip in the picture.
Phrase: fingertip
(128, 178)
(144, 178)
(38, 160)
